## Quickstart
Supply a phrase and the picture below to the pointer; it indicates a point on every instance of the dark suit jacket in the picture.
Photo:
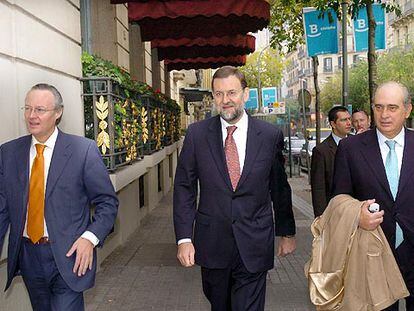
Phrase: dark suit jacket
(225, 218)
(360, 172)
(322, 167)
(77, 178)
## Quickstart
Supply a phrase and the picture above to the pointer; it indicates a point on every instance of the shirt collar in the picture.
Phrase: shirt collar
(241, 124)
(399, 139)
(336, 138)
(50, 142)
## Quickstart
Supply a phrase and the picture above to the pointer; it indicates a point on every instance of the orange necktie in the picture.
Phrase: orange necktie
(35, 215)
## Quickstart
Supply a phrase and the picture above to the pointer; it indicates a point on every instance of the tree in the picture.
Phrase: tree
(271, 68)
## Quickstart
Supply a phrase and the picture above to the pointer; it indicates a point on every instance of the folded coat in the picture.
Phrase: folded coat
(351, 268)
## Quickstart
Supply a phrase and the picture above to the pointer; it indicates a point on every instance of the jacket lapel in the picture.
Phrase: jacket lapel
(372, 155)
(332, 145)
(23, 163)
(407, 167)
(215, 141)
(61, 154)
(253, 145)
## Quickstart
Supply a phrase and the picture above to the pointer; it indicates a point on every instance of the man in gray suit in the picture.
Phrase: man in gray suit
(323, 158)
(48, 181)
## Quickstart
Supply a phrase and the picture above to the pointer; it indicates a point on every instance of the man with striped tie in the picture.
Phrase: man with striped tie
(378, 166)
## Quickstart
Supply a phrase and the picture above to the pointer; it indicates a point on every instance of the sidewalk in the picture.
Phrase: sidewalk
(144, 274)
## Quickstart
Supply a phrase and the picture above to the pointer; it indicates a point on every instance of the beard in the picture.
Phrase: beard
(230, 116)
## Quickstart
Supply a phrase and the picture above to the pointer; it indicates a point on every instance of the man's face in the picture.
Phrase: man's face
(342, 126)
(360, 122)
(40, 114)
(389, 110)
(229, 98)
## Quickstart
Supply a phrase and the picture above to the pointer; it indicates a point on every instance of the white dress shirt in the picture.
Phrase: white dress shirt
(47, 155)
(399, 146)
(240, 138)
(336, 138)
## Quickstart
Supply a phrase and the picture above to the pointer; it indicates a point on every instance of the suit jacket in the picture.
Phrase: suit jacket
(351, 268)
(360, 172)
(77, 179)
(322, 167)
(224, 218)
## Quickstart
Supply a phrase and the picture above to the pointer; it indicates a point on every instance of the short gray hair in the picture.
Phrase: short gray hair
(56, 95)
(404, 89)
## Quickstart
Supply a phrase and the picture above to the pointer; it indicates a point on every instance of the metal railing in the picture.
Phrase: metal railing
(125, 124)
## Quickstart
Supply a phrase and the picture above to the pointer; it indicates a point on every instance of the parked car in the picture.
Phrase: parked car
(303, 150)
(325, 132)
(296, 145)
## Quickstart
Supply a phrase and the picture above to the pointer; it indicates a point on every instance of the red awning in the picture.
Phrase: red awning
(204, 47)
(198, 18)
(204, 63)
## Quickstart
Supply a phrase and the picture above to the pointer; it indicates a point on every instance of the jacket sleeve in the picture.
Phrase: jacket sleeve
(4, 214)
(100, 192)
(185, 189)
(318, 182)
(281, 192)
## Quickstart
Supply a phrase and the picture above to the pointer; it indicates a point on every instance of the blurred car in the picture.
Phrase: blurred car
(302, 155)
(325, 132)
(296, 145)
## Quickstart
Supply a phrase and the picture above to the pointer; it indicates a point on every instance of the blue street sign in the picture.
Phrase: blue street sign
(253, 102)
(269, 96)
(321, 35)
(361, 28)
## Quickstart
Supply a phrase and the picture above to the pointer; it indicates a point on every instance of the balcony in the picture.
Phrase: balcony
(406, 10)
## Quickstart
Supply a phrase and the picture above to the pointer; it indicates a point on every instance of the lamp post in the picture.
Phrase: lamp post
(259, 83)
(305, 127)
(344, 5)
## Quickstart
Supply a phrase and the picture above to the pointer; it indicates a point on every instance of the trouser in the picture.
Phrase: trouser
(47, 289)
(234, 288)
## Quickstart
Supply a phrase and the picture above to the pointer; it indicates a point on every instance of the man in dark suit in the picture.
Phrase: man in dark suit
(323, 158)
(48, 182)
(236, 163)
(378, 165)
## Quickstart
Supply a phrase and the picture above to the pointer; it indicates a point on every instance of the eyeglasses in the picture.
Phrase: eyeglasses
(381, 108)
(37, 110)
(232, 94)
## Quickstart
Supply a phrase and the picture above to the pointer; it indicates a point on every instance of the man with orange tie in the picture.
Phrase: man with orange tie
(48, 182)
(245, 200)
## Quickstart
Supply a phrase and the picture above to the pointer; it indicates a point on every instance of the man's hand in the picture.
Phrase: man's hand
(287, 245)
(185, 254)
(367, 220)
(84, 255)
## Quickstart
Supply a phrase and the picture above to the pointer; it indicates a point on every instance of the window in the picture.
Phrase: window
(340, 62)
(327, 64)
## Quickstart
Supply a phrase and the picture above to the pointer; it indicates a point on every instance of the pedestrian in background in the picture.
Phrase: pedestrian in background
(48, 182)
(323, 159)
(360, 121)
(378, 166)
(244, 201)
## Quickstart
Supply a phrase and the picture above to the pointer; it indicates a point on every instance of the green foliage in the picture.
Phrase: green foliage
(271, 68)
(94, 66)
(396, 65)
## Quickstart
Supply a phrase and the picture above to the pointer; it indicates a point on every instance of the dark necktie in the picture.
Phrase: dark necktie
(232, 157)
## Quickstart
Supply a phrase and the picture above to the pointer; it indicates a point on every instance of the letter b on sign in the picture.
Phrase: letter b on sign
(313, 28)
(361, 24)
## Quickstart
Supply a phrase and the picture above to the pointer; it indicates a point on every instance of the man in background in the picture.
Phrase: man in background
(48, 182)
(360, 121)
(323, 158)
